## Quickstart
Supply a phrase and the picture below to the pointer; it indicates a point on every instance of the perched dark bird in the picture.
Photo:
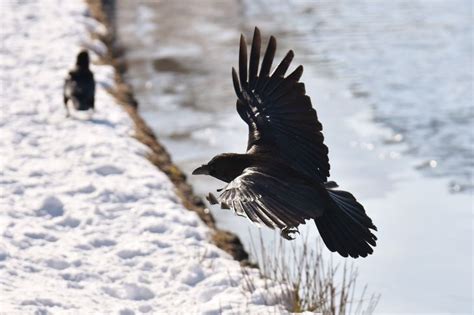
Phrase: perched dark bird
(281, 180)
(79, 86)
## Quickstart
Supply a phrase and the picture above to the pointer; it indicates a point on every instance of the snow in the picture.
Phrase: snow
(87, 224)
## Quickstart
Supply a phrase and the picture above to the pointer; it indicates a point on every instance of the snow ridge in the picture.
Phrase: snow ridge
(87, 224)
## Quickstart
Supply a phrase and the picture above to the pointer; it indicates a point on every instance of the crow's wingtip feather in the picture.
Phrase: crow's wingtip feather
(256, 31)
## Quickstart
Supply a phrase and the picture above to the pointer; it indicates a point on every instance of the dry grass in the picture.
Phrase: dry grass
(307, 281)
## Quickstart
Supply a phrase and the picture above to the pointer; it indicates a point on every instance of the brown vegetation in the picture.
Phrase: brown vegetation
(102, 10)
(308, 281)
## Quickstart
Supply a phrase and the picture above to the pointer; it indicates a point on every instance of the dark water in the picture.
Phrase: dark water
(392, 85)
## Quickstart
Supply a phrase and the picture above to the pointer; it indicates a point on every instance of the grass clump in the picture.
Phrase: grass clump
(307, 280)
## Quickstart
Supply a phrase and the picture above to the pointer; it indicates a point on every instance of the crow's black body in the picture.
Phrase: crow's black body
(79, 86)
(281, 181)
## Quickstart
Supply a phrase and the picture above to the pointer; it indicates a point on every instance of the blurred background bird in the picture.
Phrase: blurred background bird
(79, 85)
(282, 179)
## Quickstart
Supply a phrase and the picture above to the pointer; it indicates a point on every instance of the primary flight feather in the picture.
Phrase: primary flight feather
(281, 181)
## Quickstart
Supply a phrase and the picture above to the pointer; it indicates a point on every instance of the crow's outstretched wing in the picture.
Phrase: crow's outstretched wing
(263, 196)
(278, 111)
(267, 195)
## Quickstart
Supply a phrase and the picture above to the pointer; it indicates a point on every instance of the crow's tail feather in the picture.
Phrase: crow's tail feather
(345, 227)
(82, 103)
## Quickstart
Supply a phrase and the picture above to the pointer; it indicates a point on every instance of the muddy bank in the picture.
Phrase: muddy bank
(103, 11)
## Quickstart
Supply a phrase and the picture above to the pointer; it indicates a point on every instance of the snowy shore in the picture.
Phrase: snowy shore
(88, 224)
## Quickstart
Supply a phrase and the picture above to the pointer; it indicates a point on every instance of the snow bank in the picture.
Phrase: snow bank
(87, 224)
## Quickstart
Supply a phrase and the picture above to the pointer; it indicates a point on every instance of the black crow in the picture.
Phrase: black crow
(281, 181)
(79, 86)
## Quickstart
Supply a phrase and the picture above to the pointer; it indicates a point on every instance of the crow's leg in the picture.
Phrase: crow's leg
(66, 107)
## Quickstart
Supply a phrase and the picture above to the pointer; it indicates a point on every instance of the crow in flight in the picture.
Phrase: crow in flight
(281, 181)
(79, 86)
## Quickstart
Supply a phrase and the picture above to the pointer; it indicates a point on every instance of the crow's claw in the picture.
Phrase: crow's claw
(212, 199)
(289, 232)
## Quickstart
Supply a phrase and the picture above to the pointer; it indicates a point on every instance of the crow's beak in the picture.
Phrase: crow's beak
(202, 170)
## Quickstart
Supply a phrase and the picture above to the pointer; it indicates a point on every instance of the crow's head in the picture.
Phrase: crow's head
(217, 165)
(225, 167)
(83, 59)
